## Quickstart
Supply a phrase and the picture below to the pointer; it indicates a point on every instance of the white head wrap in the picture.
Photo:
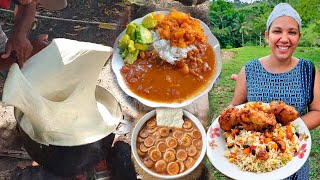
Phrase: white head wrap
(283, 9)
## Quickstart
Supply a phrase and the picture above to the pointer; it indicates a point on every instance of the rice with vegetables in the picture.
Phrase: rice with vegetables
(261, 151)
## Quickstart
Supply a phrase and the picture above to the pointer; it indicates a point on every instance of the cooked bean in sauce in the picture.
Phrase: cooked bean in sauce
(169, 150)
(154, 79)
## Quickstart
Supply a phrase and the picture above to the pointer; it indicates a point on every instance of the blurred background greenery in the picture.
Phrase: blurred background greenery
(240, 24)
(240, 29)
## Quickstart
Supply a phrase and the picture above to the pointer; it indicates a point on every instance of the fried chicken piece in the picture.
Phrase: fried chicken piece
(255, 120)
(283, 112)
(229, 119)
(259, 106)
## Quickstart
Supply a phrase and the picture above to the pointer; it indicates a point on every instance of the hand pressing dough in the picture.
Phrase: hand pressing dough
(56, 92)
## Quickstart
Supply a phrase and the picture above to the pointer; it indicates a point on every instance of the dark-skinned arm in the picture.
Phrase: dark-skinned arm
(18, 41)
(38, 44)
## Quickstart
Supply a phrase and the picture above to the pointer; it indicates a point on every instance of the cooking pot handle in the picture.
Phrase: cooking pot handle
(123, 127)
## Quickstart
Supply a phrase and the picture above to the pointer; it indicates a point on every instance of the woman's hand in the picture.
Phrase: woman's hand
(240, 91)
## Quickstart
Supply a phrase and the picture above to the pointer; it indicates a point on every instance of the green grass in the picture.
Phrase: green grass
(221, 95)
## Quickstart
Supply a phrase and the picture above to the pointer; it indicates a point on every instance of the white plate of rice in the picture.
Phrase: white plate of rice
(278, 166)
(117, 63)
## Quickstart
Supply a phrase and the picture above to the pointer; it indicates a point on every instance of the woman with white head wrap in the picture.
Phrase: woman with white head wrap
(280, 76)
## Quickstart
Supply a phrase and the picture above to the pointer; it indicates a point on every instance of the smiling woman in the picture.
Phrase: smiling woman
(283, 37)
(280, 76)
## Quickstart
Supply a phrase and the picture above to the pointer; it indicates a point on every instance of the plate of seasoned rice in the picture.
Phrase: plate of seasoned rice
(258, 140)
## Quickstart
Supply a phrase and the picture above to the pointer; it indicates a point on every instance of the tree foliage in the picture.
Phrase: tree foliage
(238, 24)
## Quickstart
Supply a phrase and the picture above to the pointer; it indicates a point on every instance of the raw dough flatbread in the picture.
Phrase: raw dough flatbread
(56, 92)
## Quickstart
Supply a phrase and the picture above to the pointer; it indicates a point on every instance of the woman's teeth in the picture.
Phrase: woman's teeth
(283, 47)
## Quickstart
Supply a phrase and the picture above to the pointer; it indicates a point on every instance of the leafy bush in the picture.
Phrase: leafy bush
(232, 23)
(310, 36)
(229, 46)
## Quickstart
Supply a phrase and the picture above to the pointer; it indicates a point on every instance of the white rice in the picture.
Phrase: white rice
(167, 52)
(276, 158)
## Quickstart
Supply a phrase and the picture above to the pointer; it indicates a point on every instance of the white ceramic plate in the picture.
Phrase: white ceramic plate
(216, 146)
(117, 63)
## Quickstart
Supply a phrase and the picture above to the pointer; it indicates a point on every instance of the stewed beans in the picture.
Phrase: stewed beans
(169, 150)
(154, 79)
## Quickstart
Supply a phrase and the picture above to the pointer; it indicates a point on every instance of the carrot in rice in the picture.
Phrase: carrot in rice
(281, 134)
(291, 150)
(290, 128)
(234, 132)
(267, 140)
(292, 139)
(274, 146)
(240, 142)
(246, 151)
(253, 147)
(277, 138)
(289, 131)
(268, 134)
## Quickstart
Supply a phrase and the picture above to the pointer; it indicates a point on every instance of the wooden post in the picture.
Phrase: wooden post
(260, 38)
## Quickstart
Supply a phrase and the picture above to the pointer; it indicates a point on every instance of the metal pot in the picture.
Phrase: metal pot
(71, 160)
